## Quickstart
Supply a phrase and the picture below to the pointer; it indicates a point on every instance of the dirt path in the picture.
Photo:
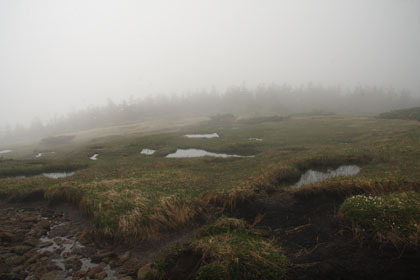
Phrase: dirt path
(319, 247)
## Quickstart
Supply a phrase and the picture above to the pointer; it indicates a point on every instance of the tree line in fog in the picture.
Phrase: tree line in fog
(239, 101)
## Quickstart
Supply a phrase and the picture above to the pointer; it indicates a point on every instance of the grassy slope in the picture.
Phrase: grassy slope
(132, 195)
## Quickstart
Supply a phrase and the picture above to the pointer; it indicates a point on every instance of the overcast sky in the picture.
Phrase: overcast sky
(58, 56)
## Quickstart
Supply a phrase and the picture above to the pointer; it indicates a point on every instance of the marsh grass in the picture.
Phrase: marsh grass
(135, 197)
(14, 168)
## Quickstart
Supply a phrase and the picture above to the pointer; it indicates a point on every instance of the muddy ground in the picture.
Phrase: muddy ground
(38, 241)
(42, 242)
(320, 247)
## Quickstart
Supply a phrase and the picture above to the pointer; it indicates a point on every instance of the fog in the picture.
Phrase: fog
(58, 57)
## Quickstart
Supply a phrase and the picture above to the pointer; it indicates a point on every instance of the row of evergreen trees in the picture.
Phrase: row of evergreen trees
(239, 101)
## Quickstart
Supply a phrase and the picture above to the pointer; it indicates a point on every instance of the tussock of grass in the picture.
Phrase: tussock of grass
(391, 218)
(227, 249)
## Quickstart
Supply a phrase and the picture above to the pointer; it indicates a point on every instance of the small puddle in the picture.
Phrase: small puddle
(43, 154)
(94, 157)
(5, 151)
(191, 153)
(212, 135)
(60, 250)
(52, 175)
(58, 175)
(147, 152)
(254, 139)
(312, 176)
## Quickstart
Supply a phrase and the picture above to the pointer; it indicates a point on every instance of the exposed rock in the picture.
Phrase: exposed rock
(93, 271)
(101, 275)
(102, 255)
(130, 267)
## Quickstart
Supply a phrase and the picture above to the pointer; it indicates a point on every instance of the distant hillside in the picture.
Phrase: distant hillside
(405, 114)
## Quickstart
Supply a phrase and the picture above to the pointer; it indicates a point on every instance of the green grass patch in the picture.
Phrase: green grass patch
(392, 217)
(227, 249)
(14, 168)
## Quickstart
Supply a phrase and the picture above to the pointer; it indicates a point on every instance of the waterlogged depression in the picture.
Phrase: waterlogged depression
(312, 176)
(58, 175)
(210, 135)
(5, 151)
(94, 157)
(192, 153)
(147, 152)
(255, 139)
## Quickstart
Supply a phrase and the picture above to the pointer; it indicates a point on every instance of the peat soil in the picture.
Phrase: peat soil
(319, 246)
(38, 241)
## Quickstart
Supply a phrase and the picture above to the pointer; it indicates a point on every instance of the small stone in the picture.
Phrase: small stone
(21, 249)
(98, 257)
(124, 257)
(92, 272)
(80, 274)
(14, 260)
(45, 244)
(6, 236)
(44, 224)
(53, 275)
(29, 219)
(145, 270)
(31, 260)
(130, 267)
(30, 242)
(86, 252)
(101, 275)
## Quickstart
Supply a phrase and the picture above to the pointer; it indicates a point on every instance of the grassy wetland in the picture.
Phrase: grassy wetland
(136, 198)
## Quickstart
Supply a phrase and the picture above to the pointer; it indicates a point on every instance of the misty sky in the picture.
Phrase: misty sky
(58, 56)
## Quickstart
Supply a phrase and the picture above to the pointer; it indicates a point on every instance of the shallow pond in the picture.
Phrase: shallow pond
(5, 151)
(147, 152)
(312, 176)
(254, 139)
(211, 135)
(191, 153)
(94, 157)
(58, 175)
